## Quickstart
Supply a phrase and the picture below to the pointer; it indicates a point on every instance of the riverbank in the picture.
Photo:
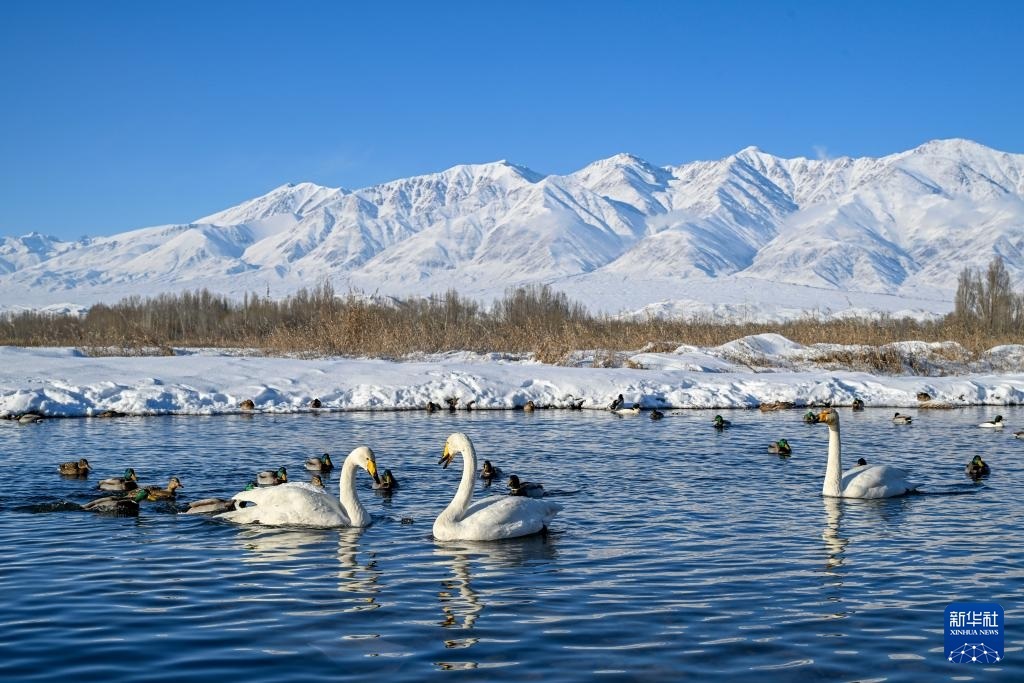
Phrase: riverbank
(765, 369)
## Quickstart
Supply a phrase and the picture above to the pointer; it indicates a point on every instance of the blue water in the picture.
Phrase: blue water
(681, 552)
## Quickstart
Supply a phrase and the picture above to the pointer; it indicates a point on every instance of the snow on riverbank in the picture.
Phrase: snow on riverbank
(62, 382)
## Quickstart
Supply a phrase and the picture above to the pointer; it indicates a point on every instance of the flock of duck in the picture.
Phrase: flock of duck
(271, 499)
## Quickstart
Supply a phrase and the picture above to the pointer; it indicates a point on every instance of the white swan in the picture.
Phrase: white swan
(489, 519)
(301, 504)
(864, 481)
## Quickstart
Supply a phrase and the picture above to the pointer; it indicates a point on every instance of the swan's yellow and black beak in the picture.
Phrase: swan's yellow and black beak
(371, 467)
(446, 458)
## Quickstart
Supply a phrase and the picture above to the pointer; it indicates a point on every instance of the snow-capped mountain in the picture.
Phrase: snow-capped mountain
(745, 233)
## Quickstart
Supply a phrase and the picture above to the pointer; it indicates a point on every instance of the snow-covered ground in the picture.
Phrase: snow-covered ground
(742, 374)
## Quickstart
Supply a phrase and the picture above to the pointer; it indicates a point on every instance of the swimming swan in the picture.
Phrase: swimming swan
(302, 504)
(865, 481)
(492, 518)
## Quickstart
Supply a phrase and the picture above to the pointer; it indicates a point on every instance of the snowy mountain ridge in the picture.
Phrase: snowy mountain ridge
(751, 232)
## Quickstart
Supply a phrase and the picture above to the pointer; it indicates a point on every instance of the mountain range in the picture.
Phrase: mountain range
(749, 235)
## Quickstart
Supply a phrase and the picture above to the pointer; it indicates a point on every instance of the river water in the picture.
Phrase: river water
(681, 552)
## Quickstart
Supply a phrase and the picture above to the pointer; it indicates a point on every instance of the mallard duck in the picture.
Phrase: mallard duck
(781, 447)
(118, 506)
(111, 413)
(126, 482)
(977, 468)
(617, 403)
(530, 406)
(77, 469)
(996, 423)
(157, 493)
(575, 403)
(489, 471)
(320, 464)
(901, 419)
(212, 506)
(315, 480)
(524, 488)
(453, 403)
(315, 403)
(268, 478)
(469, 404)
(247, 404)
(810, 417)
(721, 423)
(656, 414)
(433, 407)
(858, 404)
(387, 482)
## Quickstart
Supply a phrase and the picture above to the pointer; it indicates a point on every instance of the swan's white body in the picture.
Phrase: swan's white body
(864, 481)
(492, 518)
(301, 504)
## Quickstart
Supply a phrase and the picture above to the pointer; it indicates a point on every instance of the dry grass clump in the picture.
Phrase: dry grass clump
(529, 320)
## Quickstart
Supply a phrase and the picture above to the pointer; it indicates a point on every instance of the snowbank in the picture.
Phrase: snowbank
(741, 374)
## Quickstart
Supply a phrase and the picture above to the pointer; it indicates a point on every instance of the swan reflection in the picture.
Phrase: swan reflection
(277, 546)
(360, 580)
(460, 603)
(835, 544)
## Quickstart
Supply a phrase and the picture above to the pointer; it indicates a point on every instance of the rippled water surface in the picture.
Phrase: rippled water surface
(681, 552)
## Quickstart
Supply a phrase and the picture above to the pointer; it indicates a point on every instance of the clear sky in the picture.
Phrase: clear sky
(117, 115)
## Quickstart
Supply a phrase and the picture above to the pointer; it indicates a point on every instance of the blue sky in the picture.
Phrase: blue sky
(117, 115)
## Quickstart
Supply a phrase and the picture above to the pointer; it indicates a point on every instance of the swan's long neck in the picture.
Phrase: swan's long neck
(464, 495)
(357, 514)
(834, 468)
